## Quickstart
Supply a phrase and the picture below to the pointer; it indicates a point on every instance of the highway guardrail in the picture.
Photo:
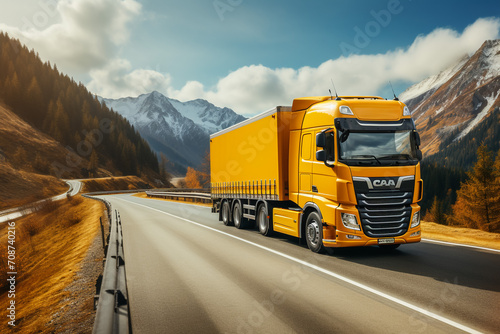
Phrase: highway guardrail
(112, 314)
(196, 195)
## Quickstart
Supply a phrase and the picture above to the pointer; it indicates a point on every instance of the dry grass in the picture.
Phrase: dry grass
(115, 183)
(50, 245)
(460, 235)
(143, 195)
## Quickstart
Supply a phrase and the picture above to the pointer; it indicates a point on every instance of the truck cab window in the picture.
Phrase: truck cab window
(306, 146)
(381, 148)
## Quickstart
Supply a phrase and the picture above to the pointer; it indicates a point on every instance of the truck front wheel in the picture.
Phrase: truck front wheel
(314, 233)
(263, 222)
(225, 213)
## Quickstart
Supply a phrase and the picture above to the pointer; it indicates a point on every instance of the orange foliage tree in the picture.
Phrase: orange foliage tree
(192, 178)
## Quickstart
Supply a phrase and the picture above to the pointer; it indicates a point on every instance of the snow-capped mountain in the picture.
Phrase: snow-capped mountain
(449, 105)
(180, 130)
(427, 87)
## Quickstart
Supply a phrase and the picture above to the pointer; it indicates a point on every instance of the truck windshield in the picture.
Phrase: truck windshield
(377, 148)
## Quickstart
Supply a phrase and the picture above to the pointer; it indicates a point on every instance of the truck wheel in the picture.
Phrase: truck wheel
(239, 221)
(263, 223)
(314, 233)
(225, 213)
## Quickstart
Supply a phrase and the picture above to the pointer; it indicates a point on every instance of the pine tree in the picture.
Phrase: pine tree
(477, 200)
(436, 213)
(34, 104)
(93, 164)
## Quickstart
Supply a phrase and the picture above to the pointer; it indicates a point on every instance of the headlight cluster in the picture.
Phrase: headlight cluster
(349, 220)
(415, 221)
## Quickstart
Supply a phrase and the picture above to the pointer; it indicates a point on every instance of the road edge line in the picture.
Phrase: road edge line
(461, 245)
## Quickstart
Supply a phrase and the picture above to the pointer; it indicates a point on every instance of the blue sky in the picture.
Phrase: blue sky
(250, 54)
(281, 33)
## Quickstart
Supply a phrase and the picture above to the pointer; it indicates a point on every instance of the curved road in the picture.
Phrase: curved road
(187, 272)
(15, 213)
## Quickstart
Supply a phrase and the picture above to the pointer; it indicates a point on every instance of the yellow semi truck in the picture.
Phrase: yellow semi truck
(337, 172)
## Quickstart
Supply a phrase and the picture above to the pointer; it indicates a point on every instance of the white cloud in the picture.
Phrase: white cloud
(87, 36)
(117, 79)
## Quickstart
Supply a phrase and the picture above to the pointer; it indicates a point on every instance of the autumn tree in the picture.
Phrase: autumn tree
(192, 178)
(478, 200)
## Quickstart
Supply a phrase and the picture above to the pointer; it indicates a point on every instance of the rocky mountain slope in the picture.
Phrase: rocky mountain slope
(449, 105)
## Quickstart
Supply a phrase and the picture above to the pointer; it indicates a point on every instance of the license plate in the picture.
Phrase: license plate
(386, 241)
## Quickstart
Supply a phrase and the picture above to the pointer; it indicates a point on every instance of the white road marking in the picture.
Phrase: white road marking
(327, 272)
(462, 245)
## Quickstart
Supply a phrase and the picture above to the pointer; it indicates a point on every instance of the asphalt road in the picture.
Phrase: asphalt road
(188, 273)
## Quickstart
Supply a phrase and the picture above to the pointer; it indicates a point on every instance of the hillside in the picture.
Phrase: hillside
(19, 188)
(180, 130)
(22, 178)
(449, 105)
(100, 142)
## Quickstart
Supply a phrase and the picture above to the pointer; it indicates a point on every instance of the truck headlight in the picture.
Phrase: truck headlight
(345, 110)
(415, 221)
(349, 220)
(406, 111)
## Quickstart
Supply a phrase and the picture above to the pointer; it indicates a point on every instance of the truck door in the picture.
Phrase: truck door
(324, 178)
(305, 169)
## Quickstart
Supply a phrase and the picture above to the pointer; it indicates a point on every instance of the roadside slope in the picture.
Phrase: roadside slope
(26, 156)
(51, 246)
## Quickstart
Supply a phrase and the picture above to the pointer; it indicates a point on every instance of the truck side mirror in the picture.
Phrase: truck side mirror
(321, 140)
(321, 155)
(417, 138)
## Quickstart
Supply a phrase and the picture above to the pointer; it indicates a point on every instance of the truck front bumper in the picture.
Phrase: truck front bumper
(340, 236)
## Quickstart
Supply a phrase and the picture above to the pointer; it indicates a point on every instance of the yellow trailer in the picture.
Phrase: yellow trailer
(338, 172)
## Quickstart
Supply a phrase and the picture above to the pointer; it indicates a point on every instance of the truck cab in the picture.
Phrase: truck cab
(358, 169)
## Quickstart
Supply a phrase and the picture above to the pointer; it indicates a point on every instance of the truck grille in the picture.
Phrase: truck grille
(384, 205)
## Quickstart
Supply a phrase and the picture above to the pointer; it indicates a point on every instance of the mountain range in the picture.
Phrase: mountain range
(448, 105)
(180, 130)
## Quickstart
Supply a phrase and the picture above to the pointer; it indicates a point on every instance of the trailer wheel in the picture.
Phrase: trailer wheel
(263, 223)
(314, 233)
(225, 213)
(239, 221)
